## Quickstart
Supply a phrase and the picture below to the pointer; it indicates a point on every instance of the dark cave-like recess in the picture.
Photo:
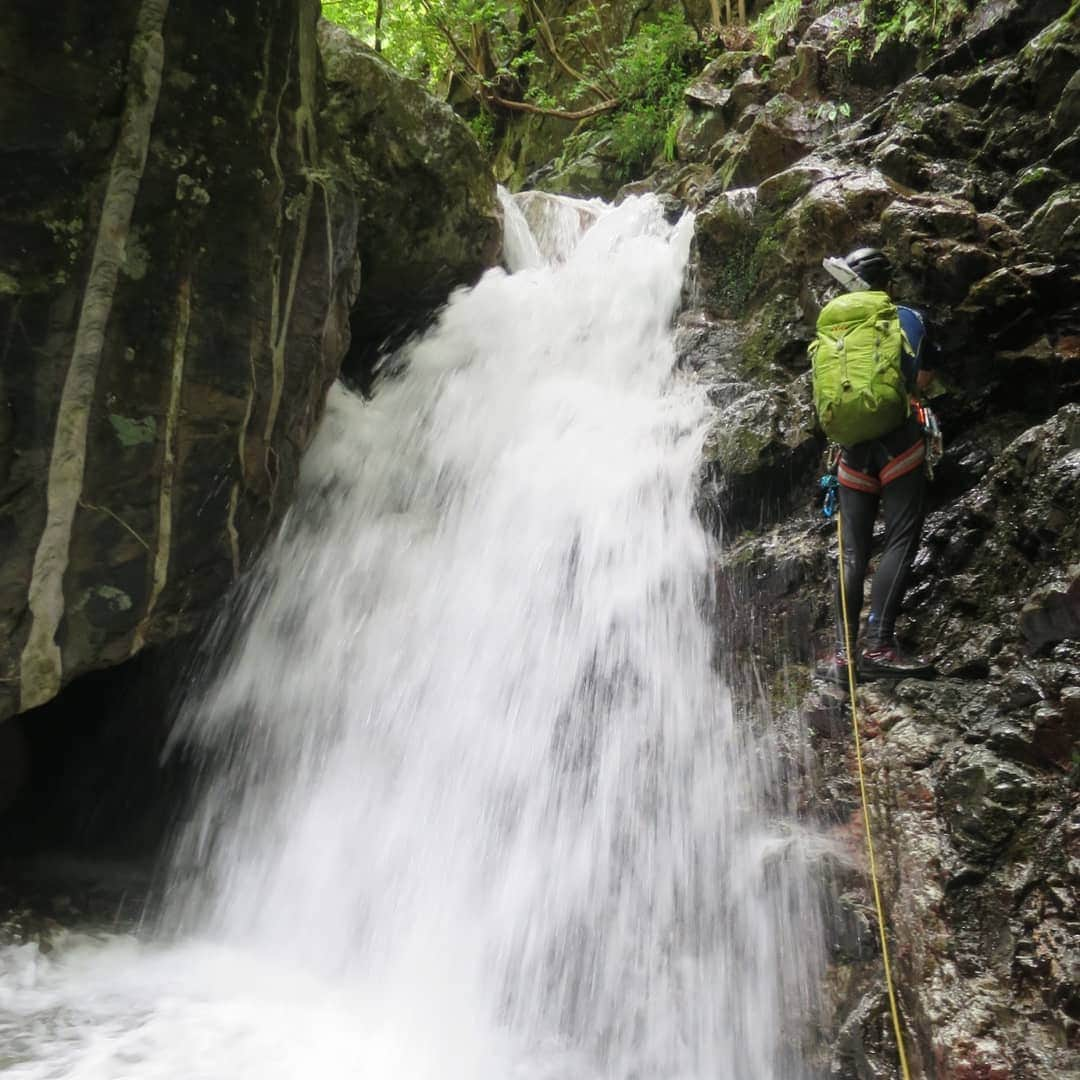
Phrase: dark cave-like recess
(85, 779)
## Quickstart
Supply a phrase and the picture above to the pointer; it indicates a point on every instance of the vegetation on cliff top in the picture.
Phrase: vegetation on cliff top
(591, 62)
(601, 65)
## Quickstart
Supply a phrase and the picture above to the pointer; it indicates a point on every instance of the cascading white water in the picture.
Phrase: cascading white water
(477, 804)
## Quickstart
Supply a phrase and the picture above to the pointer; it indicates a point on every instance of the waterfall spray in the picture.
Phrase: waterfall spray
(476, 801)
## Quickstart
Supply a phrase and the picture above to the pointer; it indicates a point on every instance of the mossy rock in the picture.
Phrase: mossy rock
(725, 238)
(428, 215)
(760, 453)
(589, 167)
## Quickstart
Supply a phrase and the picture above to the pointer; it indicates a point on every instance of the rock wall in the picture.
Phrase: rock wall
(428, 218)
(963, 164)
(179, 227)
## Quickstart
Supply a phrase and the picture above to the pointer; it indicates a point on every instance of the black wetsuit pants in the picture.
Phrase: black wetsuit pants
(885, 473)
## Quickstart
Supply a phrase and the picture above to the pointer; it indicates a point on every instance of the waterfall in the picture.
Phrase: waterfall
(476, 802)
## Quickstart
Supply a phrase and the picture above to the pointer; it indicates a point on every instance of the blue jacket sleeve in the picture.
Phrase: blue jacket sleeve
(915, 343)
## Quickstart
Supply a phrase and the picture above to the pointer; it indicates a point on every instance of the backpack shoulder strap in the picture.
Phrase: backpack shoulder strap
(913, 328)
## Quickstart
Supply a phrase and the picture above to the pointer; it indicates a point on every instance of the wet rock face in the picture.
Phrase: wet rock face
(973, 776)
(183, 203)
(760, 439)
(428, 217)
(1000, 553)
(175, 280)
(964, 168)
(973, 814)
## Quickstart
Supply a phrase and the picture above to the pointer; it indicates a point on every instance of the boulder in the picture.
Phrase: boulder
(838, 211)
(1054, 229)
(176, 272)
(1066, 117)
(733, 80)
(1034, 186)
(588, 166)
(801, 75)
(179, 232)
(1052, 614)
(844, 22)
(784, 131)
(853, 59)
(758, 251)
(699, 131)
(428, 217)
(717, 99)
(759, 450)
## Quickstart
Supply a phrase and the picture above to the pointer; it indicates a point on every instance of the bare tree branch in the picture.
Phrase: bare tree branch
(452, 41)
(559, 114)
(602, 65)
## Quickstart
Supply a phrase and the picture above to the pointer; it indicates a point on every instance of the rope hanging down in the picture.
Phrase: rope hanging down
(866, 810)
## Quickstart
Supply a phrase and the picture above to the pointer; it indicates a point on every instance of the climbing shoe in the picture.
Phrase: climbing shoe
(888, 662)
(834, 669)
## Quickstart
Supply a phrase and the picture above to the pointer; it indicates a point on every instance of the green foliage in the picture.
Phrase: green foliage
(848, 48)
(778, 19)
(417, 37)
(483, 127)
(502, 49)
(833, 111)
(650, 73)
(670, 139)
(917, 21)
(775, 23)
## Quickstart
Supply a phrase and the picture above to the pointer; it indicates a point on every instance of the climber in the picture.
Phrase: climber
(887, 470)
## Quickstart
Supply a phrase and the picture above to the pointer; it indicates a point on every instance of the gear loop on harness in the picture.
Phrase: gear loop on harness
(934, 443)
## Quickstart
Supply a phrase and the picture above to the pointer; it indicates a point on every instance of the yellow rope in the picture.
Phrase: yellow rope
(866, 810)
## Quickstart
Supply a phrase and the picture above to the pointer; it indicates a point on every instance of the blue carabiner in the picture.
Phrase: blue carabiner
(831, 486)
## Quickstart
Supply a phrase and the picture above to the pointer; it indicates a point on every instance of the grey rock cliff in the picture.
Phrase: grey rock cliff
(183, 204)
(962, 165)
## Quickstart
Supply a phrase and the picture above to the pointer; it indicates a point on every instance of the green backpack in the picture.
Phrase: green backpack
(859, 390)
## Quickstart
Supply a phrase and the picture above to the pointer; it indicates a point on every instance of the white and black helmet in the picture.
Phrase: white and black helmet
(865, 268)
(870, 265)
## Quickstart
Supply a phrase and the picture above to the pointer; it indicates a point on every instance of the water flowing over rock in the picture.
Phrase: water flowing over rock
(192, 210)
(514, 826)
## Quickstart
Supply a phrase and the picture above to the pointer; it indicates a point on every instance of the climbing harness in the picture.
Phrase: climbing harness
(879, 906)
